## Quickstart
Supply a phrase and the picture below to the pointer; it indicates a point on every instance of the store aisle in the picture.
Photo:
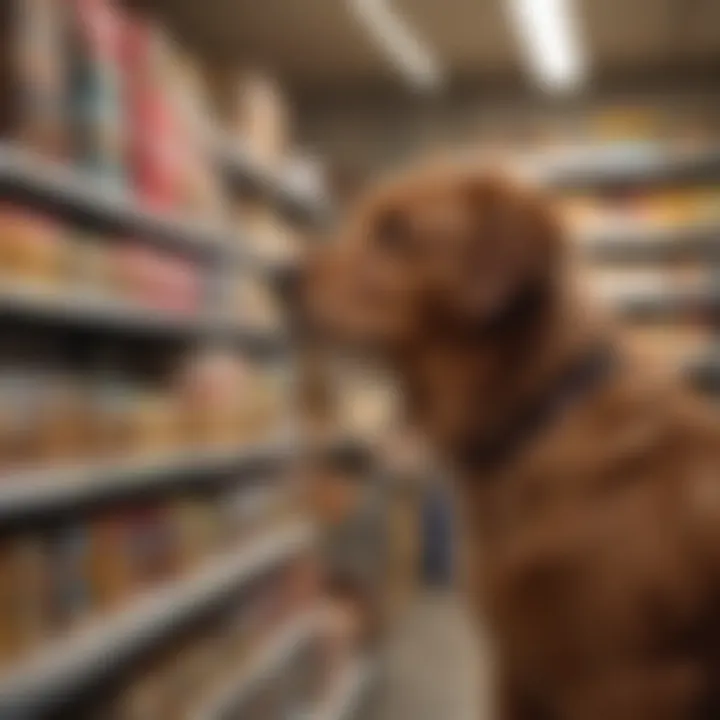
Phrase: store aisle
(433, 669)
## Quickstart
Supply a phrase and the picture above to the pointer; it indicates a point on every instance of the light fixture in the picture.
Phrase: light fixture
(399, 42)
(548, 33)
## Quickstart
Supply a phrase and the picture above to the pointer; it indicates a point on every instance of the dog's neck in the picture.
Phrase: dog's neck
(459, 386)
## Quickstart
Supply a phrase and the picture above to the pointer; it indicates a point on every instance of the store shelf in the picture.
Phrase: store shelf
(91, 312)
(32, 495)
(664, 304)
(637, 243)
(246, 171)
(272, 659)
(606, 168)
(82, 198)
(76, 665)
(346, 697)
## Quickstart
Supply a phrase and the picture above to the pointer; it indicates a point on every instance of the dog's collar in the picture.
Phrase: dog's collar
(585, 373)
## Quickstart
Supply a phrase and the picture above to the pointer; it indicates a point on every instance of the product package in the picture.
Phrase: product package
(34, 75)
(97, 108)
(25, 621)
(109, 559)
(157, 147)
(252, 108)
(32, 249)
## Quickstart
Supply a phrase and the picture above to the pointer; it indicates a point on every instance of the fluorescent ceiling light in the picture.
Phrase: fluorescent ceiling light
(407, 52)
(550, 39)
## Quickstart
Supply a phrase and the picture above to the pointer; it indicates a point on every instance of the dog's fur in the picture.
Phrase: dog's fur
(597, 543)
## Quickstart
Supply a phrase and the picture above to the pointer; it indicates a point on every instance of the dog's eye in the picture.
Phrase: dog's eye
(392, 233)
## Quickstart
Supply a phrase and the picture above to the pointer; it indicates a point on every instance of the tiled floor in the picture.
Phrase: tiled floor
(432, 670)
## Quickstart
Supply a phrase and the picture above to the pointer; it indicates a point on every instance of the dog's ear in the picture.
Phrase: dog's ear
(513, 244)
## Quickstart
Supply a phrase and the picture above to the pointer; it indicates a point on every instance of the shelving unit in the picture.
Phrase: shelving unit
(68, 193)
(244, 171)
(268, 663)
(636, 243)
(66, 671)
(83, 312)
(345, 699)
(31, 495)
(74, 665)
(666, 304)
(648, 165)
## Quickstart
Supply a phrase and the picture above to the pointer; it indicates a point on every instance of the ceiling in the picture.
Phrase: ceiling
(313, 44)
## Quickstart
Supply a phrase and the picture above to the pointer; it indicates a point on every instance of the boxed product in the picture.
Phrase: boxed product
(195, 529)
(96, 101)
(24, 596)
(261, 409)
(155, 279)
(114, 400)
(154, 426)
(232, 516)
(199, 185)
(174, 284)
(32, 247)
(34, 75)
(152, 545)
(23, 394)
(251, 105)
(110, 567)
(213, 387)
(65, 422)
(157, 144)
(88, 264)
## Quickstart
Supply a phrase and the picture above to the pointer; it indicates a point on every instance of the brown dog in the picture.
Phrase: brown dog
(591, 482)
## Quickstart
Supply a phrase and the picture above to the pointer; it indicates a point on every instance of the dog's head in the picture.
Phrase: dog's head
(445, 249)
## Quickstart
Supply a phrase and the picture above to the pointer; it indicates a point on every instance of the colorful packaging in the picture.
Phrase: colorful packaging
(113, 401)
(152, 546)
(33, 74)
(155, 428)
(88, 266)
(212, 386)
(155, 139)
(24, 596)
(96, 89)
(109, 561)
(65, 422)
(23, 388)
(191, 531)
(32, 249)
(260, 117)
